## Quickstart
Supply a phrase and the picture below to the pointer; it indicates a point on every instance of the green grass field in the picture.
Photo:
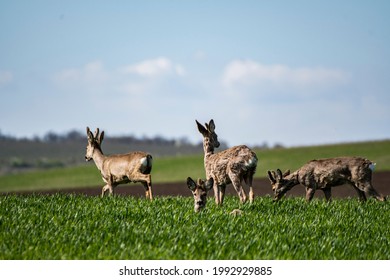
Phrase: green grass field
(176, 169)
(65, 226)
(81, 227)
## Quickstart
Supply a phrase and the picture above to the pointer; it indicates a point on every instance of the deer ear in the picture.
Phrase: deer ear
(280, 175)
(191, 184)
(271, 178)
(211, 125)
(96, 133)
(274, 174)
(201, 128)
(89, 134)
(286, 173)
(209, 184)
(101, 136)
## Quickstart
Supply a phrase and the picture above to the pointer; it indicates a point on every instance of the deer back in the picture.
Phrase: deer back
(128, 165)
(237, 160)
(334, 171)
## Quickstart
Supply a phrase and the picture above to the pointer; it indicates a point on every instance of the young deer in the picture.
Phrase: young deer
(233, 165)
(119, 169)
(324, 174)
(199, 190)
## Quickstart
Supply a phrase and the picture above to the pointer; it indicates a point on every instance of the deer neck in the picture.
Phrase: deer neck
(292, 180)
(208, 148)
(208, 153)
(98, 158)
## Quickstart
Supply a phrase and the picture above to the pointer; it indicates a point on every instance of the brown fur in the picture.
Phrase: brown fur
(233, 165)
(324, 174)
(119, 169)
(199, 190)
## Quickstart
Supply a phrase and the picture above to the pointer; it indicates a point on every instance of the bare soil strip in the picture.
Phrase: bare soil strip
(262, 187)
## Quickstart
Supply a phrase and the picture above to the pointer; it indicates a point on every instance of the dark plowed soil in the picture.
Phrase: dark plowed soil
(381, 182)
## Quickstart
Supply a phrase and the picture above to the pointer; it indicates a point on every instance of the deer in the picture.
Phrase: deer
(121, 168)
(234, 165)
(326, 173)
(199, 190)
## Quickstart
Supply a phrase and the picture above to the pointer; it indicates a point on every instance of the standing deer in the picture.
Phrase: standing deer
(119, 169)
(324, 174)
(199, 190)
(233, 165)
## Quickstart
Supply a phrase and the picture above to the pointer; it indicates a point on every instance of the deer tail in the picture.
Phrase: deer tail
(146, 164)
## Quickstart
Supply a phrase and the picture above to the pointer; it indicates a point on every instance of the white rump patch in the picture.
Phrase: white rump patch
(144, 161)
(251, 163)
(372, 166)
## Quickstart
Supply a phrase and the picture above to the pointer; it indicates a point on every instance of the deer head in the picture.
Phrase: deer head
(94, 142)
(280, 185)
(199, 190)
(209, 135)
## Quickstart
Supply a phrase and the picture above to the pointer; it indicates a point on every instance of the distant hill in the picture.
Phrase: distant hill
(175, 168)
(66, 150)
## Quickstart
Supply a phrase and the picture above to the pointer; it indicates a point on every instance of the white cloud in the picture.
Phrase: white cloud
(91, 74)
(154, 92)
(248, 73)
(277, 95)
(134, 83)
(94, 73)
(154, 67)
(6, 77)
(147, 77)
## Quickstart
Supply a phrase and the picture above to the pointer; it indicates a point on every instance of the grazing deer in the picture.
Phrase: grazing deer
(199, 190)
(324, 174)
(233, 165)
(119, 169)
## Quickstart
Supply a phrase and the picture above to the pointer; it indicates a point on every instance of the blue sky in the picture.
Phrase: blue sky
(289, 72)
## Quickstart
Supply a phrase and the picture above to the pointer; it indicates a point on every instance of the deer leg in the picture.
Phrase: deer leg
(148, 190)
(236, 181)
(104, 189)
(108, 188)
(145, 185)
(249, 181)
(216, 189)
(222, 194)
(146, 181)
(149, 186)
(328, 194)
(370, 191)
(361, 194)
(309, 193)
(111, 189)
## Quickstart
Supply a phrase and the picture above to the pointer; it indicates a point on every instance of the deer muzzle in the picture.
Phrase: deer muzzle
(199, 205)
